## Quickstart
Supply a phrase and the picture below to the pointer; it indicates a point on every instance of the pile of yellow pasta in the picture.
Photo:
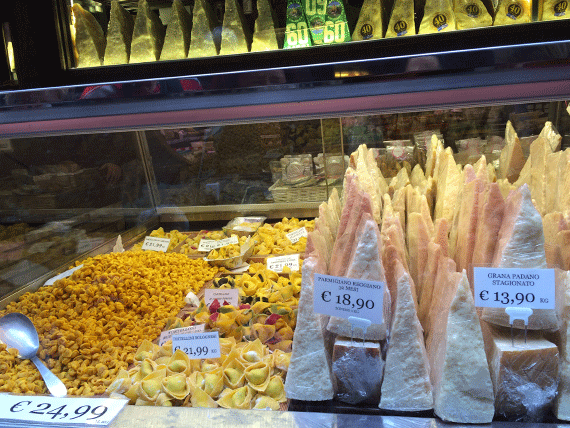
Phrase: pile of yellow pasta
(272, 239)
(190, 246)
(91, 323)
(175, 237)
(232, 250)
(247, 376)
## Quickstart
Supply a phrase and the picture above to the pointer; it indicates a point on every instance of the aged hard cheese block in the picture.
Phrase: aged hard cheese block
(309, 376)
(201, 39)
(369, 25)
(357, 368)
(539, 154)
(490, 216)
(563, 182)
(406, 385)
(525, 376)
(401, 19)
(264, 37)
(513, 12)
(89, 38)
(235, 34)
(511, 160)
(177, 38)
(553, 9)
(449, 185)
(119, 34)
(471, 14)
(438, 17)
(463, 391)
(148, 35)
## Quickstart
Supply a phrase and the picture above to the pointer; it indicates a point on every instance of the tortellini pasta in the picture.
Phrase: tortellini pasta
(272, 239)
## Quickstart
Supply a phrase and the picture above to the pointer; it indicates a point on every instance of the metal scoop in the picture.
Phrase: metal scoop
(17, 331)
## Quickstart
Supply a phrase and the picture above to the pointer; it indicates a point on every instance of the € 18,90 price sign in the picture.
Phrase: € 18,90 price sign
(198, 345)
(347, 297)
(66, 411)
(510, 287)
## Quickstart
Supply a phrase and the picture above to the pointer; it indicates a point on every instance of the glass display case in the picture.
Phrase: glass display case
(89, 154)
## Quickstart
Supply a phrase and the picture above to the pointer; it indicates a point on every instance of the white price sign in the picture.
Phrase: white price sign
(348, 297)
(165, 336)
(211, 244)
(276, 264)
(296, 235)
(66, 411)
(198, 345)
(230, 295)
(506, 287)
(156, 244)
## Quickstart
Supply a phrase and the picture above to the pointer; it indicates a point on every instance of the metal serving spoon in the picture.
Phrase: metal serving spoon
(17, 331)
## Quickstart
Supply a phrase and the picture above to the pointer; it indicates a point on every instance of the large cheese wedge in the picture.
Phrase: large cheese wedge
(520, 244)
(463, 391)
(418, 238)
(309, 376)
(441, 230)
(525, 375)
(490, 216)
(553, 223)
(264, 37)
(510, 12)
(148, 35)
(435, 254)
(400, 181)
(406, 385)
(201, 39)
(358, 368)
(563, 249)
(434, 150)
(367, 182)
(89, 38)
(334, 211)
(401, 19)
(119, 35)
(562, 400)
(471, 14)
(563, 182)
(370, 21)
(381, 185)
(448, 186)
(236, 37)
(511, 160)
(438, 17)
(551, 135)
(417, 177)
(444, 288)
(366, 263)
(540, 152)
(399, 206)
(177, 38)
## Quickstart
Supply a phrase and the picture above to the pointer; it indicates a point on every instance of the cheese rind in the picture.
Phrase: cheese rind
(119, 35)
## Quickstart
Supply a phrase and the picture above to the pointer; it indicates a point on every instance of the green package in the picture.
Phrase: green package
(296, 28)
(336, 26)
(316, 12)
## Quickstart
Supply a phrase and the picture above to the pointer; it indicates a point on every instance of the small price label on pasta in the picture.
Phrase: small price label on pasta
(66, 411)
(276, 264)
(296, 235)
(510, 287)
(198, 345)
(165, 336)
(208, 245)
(347, 297)
(156, 244)
(230, 295)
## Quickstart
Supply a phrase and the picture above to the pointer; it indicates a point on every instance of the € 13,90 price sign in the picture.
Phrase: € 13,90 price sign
(66, 411)
(510, 287)
(347, 297)
(198, 345)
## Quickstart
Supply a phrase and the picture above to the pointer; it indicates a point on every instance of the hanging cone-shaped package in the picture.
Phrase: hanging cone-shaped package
(296, 28)
(549, 10)
(177, 39)
(148, 35)
(316, 14)
(235, 34)
(402, 19)
(89, 38)
(119, 35)
(471, 14)
(438, 17)
(201, 39)
(369, 25)
(264, 37)
(513, 12)
(336, 26)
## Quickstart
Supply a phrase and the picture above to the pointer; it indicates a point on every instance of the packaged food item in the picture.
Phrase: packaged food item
(148, 35)
(296, 28)
(316, 14)
(177, 38)
(243, 226)
(236, 37)
(332, 167)
(89, 38)
(438, 17)
(370, 21)
(201, 38)
(296, 169)
(401, 19)
(513, 12)
(471, 14)
(549, 10)
(264, 37)
(336, 26)
(119, 35)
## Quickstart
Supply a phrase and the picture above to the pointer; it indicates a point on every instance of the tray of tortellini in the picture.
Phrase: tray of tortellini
(176, 239)
(231, 252)
(243, 226)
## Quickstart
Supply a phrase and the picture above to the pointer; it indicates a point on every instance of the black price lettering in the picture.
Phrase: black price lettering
(98, 414)
(40, 408)
(56, 412)
(14, 408)
(81, 412)
(505, 298)
(400, 27)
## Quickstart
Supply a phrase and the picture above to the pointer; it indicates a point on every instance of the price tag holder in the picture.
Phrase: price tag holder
(296, 235)
(230, 295)
(276, 264)
(207, 245)
(66, 411)
(510, 287)
(198, 345)
(348, 297)
(156, 244)
(165, 336)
